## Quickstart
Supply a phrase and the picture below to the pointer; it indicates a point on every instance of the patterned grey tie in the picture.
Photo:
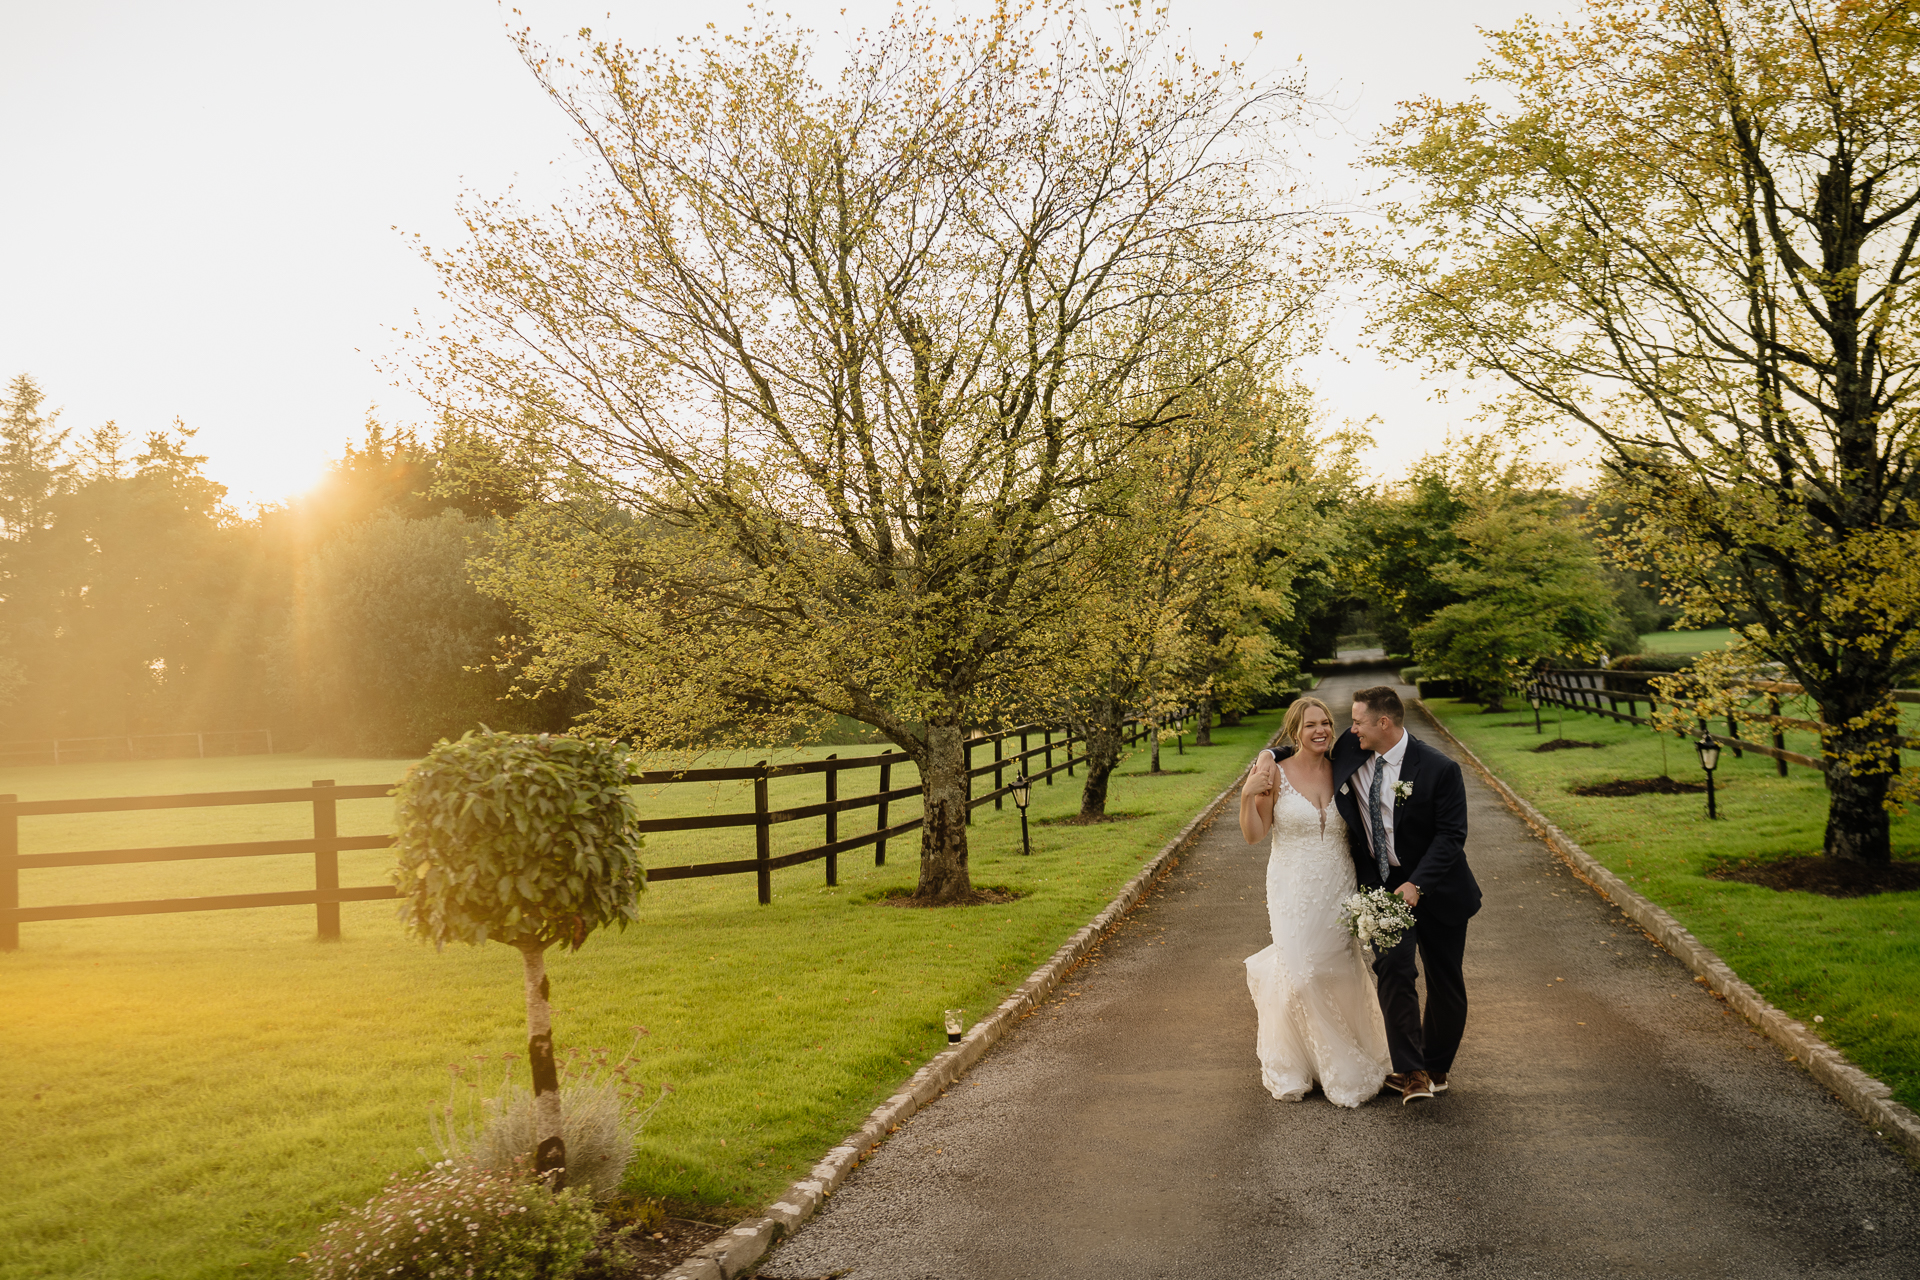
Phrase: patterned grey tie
(1379, 819)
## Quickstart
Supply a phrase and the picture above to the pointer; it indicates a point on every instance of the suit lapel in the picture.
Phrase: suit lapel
(1410, 763)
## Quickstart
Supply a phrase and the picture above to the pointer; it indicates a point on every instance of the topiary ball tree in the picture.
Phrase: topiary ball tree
(528, 840)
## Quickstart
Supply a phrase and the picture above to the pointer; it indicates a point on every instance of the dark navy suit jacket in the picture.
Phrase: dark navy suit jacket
(1429, 827)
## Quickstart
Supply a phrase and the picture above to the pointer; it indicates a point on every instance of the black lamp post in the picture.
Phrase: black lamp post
(1022, 792)
(1533, 696)
(1709, 758)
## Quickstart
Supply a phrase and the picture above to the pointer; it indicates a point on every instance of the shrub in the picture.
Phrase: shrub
(459, 1221)
(595, 1121)
(601, 1116)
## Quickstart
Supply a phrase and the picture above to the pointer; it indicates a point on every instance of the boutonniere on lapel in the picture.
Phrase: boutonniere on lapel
(1343, 789)
(1402, 791)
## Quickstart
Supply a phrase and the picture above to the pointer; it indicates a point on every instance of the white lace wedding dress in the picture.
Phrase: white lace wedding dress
(1314, 988)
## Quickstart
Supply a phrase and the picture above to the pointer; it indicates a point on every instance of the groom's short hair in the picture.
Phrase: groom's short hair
(1382, 701)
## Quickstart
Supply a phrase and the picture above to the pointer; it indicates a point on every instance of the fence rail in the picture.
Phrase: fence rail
(1600, 692)
(1036, 744)
(137, 746)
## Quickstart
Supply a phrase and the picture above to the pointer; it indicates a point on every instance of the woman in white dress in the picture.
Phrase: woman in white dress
(1313, 988)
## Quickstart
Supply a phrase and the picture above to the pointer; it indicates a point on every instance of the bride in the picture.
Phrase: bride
(1314, 992)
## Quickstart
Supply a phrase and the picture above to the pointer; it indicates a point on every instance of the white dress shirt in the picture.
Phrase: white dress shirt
(1363, 786)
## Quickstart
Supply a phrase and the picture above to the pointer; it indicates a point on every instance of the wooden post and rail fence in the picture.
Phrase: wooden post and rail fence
(1601, 692)
(326, 844)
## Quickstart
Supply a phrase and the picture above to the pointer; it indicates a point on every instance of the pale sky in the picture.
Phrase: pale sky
(205, 206)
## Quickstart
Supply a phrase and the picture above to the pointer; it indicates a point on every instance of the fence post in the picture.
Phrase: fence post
(880, 817)
(326, 861)
(9, 872)
(1046, 740)
(999, 801)
(966, 756)
(1779, 736)
(1069, 753)
(833, 819)
(762, 836)
(1733, 732)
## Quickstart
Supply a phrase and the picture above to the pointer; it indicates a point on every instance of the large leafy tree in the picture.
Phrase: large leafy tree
(1694, 232)
(1216, 525)
(842, 371)
(1530, 589)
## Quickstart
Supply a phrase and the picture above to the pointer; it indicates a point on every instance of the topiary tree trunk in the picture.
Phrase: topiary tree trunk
(549, 1139)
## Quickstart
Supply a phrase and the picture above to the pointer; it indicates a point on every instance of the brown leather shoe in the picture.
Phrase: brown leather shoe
(1419, 1088)
(1439, 1079)
(1394, 1083)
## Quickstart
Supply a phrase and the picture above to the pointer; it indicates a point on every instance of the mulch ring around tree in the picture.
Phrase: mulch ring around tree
(1157, 773)
(985, 895)
(1829, 877)
(1563, 744)
(1661, 786)
(1076, 820)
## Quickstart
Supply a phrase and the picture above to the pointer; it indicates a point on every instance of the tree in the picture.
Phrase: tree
(32, 467)
(839, 373)
(1214, 522)
(130, 607)
(526, 840)
(1695, 234)
(1530, 589)
(1403, 534)
(391, 646)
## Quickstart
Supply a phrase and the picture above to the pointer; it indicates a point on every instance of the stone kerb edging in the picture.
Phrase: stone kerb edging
(1871, 1098)
(746, 1244)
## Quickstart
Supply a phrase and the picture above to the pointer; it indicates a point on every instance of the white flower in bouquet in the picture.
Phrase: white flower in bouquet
(1376, 917)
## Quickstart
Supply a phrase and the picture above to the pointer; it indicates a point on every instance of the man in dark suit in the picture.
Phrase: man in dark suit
(1405, 806)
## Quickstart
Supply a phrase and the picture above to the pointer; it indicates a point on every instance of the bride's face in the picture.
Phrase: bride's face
(1316, 731)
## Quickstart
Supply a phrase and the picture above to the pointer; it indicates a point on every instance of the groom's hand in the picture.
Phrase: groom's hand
(1409, 893)
(1260, 779)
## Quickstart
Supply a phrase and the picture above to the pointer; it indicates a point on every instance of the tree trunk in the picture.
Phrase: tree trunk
(943, 834)
(1103, 756)
(1858, 826)
(1493, 699)
(1154, 736)
(550, 1147)
(1203, 724)
(1230, 719)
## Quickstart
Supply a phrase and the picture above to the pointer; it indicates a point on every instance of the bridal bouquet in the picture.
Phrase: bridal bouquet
(1377, 917)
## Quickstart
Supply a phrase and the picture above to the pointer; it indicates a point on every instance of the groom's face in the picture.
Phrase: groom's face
(1376, 732)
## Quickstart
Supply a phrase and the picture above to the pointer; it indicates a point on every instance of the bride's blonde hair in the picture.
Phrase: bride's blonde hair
(1297, 716)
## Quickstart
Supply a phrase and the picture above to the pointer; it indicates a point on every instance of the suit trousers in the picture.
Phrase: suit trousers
(1429, 1043)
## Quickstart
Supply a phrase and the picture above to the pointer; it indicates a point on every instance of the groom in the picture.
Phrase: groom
(1405, 806)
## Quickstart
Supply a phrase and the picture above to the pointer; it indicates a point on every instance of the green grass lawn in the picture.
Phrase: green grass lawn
(1854, 962)
(193, 1095)
(1686, 641)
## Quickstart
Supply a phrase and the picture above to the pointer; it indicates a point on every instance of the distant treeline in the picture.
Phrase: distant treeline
(134, 599)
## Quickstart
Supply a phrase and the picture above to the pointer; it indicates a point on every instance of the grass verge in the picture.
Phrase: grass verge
(193, 1095)
(1852, 962)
